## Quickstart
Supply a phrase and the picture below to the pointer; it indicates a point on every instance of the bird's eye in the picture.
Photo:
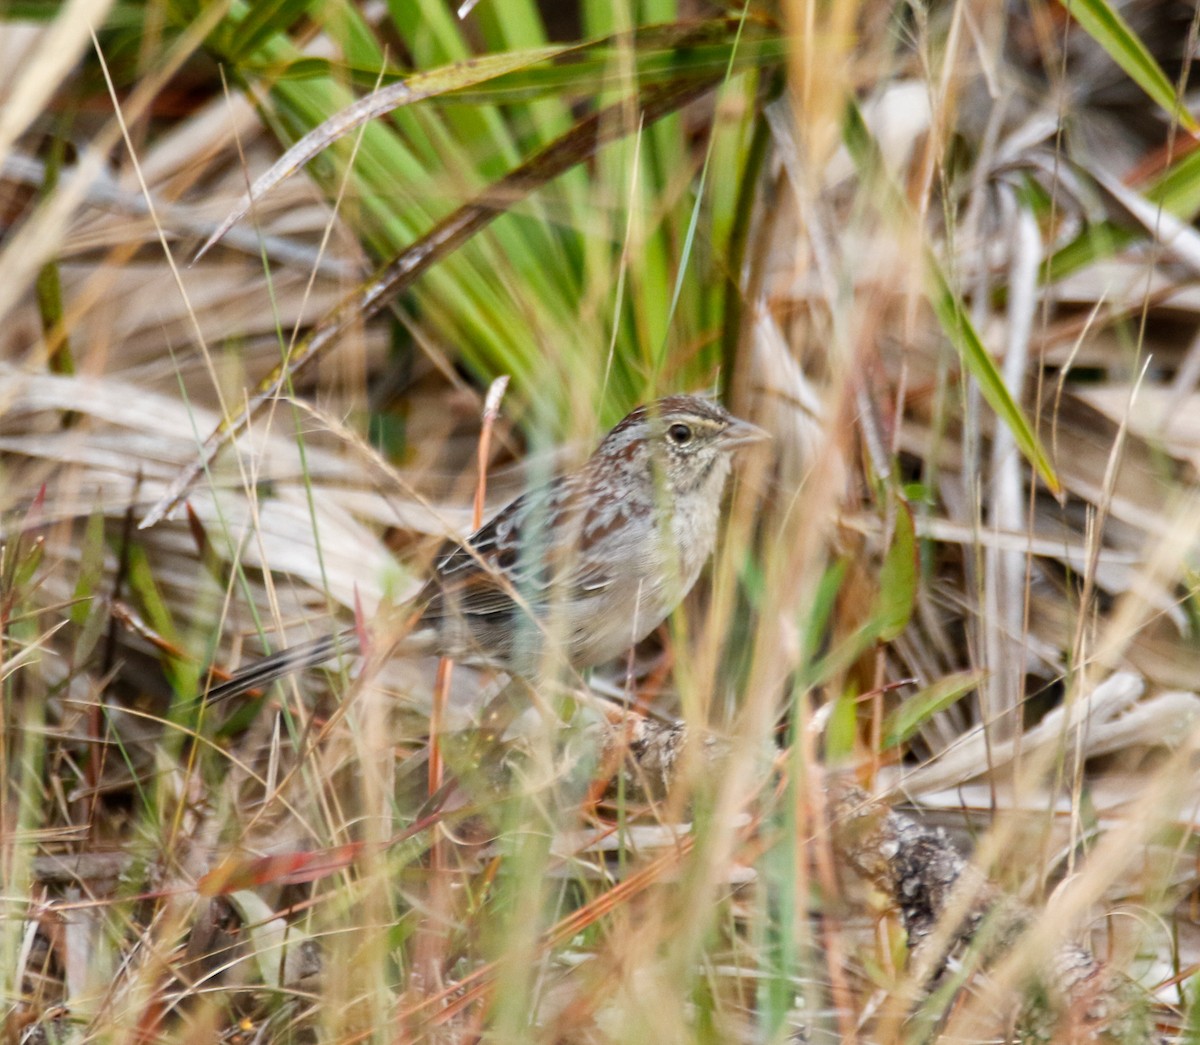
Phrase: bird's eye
(679, 434)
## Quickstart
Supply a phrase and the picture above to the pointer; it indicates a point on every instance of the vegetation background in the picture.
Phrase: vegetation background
(946, 253)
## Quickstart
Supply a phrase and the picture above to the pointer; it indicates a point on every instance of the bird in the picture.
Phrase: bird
(581, 568)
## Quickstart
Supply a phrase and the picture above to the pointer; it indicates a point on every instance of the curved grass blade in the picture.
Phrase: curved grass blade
(378, 103)
(575, 70)
(662, 54)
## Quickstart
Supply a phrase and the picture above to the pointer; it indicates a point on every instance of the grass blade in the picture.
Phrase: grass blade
(1106, 26)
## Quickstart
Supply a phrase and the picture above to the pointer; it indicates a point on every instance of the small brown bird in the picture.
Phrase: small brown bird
(585, 566)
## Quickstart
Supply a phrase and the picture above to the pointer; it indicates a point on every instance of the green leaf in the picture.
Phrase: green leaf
(1178, 188)
(182, 675)
(89, 612)
(149, 598)
(898, 579)
(92, 550)
(823, 604)
(922, 706)
(889, 616)
(30, 558)
(958, 328)
(1122, 45)
(1096, 242)
(842, 729)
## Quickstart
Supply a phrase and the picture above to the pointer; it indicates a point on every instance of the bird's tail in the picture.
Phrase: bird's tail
(295, 658)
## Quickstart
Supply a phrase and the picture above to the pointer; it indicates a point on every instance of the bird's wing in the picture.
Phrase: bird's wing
(521, 555)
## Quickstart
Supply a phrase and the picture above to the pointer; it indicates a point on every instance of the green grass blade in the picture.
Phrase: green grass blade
(1177, 190)
(1106, 26)
(957, 325)
(918, 709)
(898, 578)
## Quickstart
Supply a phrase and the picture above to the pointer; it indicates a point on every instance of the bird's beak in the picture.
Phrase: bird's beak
(742, 433)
